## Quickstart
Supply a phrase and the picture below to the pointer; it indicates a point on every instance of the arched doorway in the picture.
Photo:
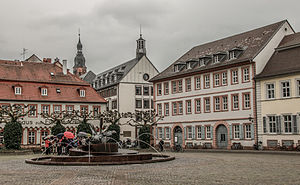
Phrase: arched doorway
(177, 135)
(222, 136)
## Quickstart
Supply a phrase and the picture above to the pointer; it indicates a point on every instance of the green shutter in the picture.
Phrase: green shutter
(265, 124)
(211, 132)
(252, 131)
(193, 132)
(294, 126)
(230, 131)
(184, 132)
(278, 124)
(241, 131)
(202, 132)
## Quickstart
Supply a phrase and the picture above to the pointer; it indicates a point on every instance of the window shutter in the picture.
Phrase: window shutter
(202, 132)
(294, 119)
(184, 132)
(230, 131)
(241, 131)
(252, 131)
(211, 132)
(193, 132)
(278, 124)
(156, 132)
(265, 124)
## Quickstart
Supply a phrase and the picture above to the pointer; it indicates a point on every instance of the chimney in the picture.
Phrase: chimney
(47, 60)
(65, 67)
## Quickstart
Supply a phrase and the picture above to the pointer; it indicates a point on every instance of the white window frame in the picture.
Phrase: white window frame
(247, 104)
(160, 132)
(247, 131)
(174, 86)
(31, 137)
(235, 102)
(199, 134)
(159, 109)
(198, 82)
(167, 133)
(159, 89)
(224, 103)
(235, 76)
(232, 55)
(188, 106)
(270, 92)
(188, 82)
(167, 112)
(224, 78)
(18, 90)
(45, 109)
(198, 105)
(82, 93)
(246, 75)
(44, 92)
(189, 132)
(287, 123)
(236, 131)
(174, 107)
(32, 113)
(166, 86)
(179, 85)
(217, 102)
(207, 104)
(217, 79)
(180, 107)
(208, 132)
(288, 89)
(207, 81)
(298, 87)
(57, 109)
(272, 124)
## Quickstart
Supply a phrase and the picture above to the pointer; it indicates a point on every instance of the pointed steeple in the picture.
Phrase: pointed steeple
(141, 46)
(79, 67)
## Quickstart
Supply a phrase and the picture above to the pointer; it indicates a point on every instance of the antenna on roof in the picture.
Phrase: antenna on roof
(140, 30)
(23, 54)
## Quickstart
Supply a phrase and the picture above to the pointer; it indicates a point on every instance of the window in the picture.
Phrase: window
(287, 120)
(167, 133)
(57, 109)
(69, 108)
(197, 82)
(272, 124)
(44, 92)
(146, 91)
(82, 93)
(159, 109)
(208, 132)
(224, 78)
(235, 102)
(180, 107)
(246, 75)
(236, 131)
(96, 110)
(152, 107)
(217, 104)
(146, 104)
(246, 100)
(298, 87)
(31, 137)
(167, 109)
(138, 90)
(46, 109)
(247, 131)
(188, 106)
(160, 133)
(199, 132)
(1, 137)
(179, 85)
(197, 105)
(270, 91)
(174, 87)
(234, 76)
(138, 103)
(285, 89)
(151, 90)
(206, 81)
(232, 55)
(166, 86)
(224, 103)
(174, 106)
(189, 132)
(217, 80)
(207, 104)
(126, 133)
(158, 89)
(188, 84)
(114, 104)
(216, 58)
(84, 109)
(18, 90)
(32, 111)
(44, 133)
(202, 63)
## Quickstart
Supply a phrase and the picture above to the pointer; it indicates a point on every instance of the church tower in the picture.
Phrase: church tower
(141, 47)
(79, 67)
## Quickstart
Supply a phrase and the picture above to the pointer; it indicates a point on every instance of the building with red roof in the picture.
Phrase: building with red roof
(47, 86)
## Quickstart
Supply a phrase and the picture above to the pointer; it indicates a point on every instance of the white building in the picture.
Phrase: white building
(126, 87)
(208, 95)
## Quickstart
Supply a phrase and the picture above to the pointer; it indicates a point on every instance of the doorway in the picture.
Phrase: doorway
(222, 137)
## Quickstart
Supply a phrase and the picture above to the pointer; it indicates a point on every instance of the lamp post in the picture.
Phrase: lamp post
(256, 146)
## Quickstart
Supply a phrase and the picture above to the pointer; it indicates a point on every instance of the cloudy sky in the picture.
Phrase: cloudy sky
(109, 28)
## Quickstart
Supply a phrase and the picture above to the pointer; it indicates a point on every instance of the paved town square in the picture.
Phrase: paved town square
(187, 168)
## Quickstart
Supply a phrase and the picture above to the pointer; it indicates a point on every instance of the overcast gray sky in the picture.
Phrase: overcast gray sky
(109, 28)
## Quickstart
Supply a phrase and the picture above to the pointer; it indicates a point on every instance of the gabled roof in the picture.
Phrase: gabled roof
(286, 59)
(88, 77)
(252, 42)
(122, 69)
(33, 76)
(33, 58)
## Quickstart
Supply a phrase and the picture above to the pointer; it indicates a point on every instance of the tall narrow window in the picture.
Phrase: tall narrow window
(188, 84)
(217, 79)
(199, 132)
(146, 104)
(208, 132)
(224, 78)
(166, 109)
(197, 82)
(246, 75)
(189, 132)
(82, 93)
(236, 131)
(234, 76)
(272, 124)
(247, 131)
(285, 89)
(224, 103)
(197, 105)
(96, 110)
(159, 109)
(217, 104)
(270, 91)
(206, 104)
(32, 110)
(138, 103)
(246, 100)
(167, 133)
(235, 102)
(206, 81)
(57, 109)
(166, 86)
(298, 87)
(180, 107)
(174, 87)
(160, 133)
(46, 109)
(287, 123)
(18, 90)
(179, 85)
(31, 137)
(174, 106)
(146, 90)
(44, 92)
(188, 107)
(159, 89)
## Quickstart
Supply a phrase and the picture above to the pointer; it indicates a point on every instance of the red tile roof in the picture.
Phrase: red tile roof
(31, 76)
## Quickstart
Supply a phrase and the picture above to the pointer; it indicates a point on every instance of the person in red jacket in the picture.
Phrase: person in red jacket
(47, 146)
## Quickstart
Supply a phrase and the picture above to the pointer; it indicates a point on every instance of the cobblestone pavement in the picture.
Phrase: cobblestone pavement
(187, 168)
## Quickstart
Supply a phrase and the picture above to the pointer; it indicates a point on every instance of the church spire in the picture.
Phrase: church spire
(79, 67)
(141, 46)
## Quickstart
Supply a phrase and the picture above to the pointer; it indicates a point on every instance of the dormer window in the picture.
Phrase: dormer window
(201, 62)
(176, 68)
(82, 93)
(216, 59)
(235, 52)
(188, 65)
(44, 91)
(18, 90)
(232, 55)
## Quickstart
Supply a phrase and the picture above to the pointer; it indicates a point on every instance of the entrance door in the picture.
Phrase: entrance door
(222, 136)
(177, 136)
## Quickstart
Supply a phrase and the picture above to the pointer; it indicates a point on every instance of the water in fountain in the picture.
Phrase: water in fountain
(150, 146)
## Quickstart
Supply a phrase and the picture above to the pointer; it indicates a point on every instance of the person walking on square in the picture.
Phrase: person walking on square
(47, 146)
(161, 145)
